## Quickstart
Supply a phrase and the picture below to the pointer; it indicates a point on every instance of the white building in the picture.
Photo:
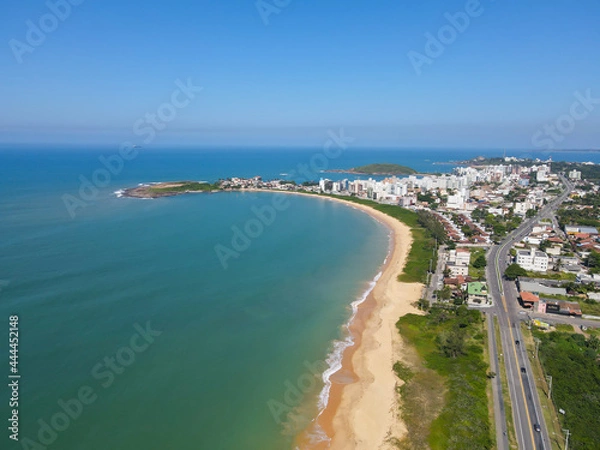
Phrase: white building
(521, 208)
(455, 202)
(458, 262)
(575, 175)
(533, 260)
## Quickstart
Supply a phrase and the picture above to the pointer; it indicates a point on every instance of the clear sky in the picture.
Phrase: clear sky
(316, 65)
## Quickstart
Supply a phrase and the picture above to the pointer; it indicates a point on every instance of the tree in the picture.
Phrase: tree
(514, 270)
(480, 262)
(452, 343)
(467, 231)
(478, 214)
(445, 293)
(499, 229)
(530, 213)
(423, 304)
(593, 260)
(557, 265)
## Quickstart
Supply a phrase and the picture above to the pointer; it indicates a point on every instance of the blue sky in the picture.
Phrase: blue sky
(315, 66)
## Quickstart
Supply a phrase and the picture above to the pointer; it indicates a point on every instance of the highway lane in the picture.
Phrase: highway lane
(524, 399)
(499, 407)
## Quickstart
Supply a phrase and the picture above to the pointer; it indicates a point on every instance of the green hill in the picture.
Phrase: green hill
(384, 169)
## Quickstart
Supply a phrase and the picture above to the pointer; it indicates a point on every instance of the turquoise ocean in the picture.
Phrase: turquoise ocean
(132, 332)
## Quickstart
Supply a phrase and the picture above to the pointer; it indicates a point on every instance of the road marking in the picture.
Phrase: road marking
(514, 348)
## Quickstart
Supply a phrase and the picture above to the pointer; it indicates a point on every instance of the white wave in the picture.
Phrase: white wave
(334, 359)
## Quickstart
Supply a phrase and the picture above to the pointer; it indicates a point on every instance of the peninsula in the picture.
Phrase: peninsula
(169, 189)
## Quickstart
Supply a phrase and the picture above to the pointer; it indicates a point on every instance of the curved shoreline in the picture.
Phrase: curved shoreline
(362, 411)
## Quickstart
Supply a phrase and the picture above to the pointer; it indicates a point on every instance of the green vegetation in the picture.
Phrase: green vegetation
(384, 169)
(571, 360)
(590, 307)
(428, 221)
(510, 425)
(184, 186)
(560, 276)
(593, 261)
(499, 226)
(557, 439)
(450, 342)
(587, 172)
(563, 327)
(513, 271)
(428, 198)
(587, 216)
(478, 263)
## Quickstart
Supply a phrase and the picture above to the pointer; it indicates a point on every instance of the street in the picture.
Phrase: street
(526, 406)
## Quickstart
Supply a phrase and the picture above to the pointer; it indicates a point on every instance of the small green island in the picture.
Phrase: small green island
(169, 189)
(379, 169)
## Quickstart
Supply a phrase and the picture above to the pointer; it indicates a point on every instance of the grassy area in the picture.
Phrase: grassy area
(488, 386)
(474, 272)
(548, 410)
(561, 276)
(385, 169)
(417, 263)
(510, 425)
(590, 307)
(593, 332)
(186, 186)
(450, 343)
(571, 360)
(422, 397)
(564, 328)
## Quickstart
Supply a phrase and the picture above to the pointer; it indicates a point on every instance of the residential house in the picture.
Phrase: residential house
(477, 293)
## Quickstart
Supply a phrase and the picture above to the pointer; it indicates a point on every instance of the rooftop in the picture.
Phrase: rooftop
(477, 288)
(529, 297)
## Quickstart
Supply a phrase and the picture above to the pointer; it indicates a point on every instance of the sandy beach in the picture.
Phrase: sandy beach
(365, 415)
(363, 409)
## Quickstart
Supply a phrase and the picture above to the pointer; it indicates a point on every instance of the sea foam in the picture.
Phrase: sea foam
(334, 359)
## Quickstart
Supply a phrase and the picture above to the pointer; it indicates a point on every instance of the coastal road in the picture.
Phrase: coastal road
(437, 276)
(499, 407)
(525, 402)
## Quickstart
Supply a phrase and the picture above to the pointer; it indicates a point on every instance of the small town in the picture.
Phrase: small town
(554, 266)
